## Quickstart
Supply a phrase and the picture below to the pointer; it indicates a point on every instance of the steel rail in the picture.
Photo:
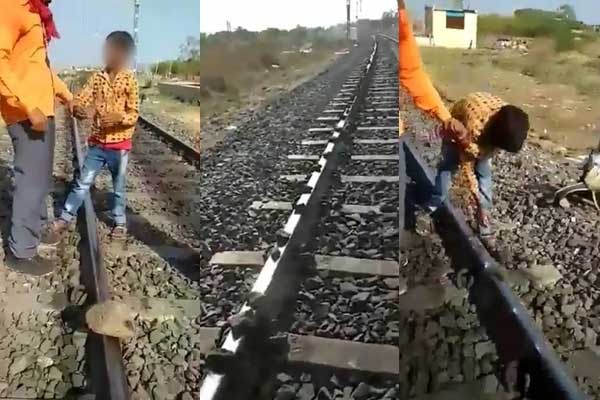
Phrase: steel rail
(246, 354)
(505, 319)
(190, 154)
(104, 355)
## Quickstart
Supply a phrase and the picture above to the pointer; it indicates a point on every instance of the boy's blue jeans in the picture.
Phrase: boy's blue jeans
(96, 159)
(446, 168)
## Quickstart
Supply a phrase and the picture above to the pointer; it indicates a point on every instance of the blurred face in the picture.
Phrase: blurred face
(115, 56)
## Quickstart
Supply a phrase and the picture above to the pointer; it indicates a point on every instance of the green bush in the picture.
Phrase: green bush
(533, 23)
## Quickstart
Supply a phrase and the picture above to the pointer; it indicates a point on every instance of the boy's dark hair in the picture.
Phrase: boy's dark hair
(507, 129)
(122, 40)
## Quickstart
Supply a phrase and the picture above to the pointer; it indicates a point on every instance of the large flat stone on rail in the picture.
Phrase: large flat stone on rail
(346, 208)
(163, 309)
(344, 355)
(350, 265)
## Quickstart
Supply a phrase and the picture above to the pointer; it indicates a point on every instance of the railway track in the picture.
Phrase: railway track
(456, 348)
(320, 305)
(154, 273)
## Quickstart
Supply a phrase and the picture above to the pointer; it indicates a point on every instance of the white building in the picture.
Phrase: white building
(451, 28)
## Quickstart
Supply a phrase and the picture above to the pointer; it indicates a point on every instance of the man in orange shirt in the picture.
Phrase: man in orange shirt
(417, 84)
(28, 89)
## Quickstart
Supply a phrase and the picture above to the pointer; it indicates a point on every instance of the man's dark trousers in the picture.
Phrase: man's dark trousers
(33, 163)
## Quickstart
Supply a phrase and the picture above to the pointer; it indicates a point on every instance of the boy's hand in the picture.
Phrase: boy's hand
(111, 119)
(39, 122)
(81, 112)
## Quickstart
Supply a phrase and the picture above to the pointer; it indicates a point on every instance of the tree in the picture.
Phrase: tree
(568, 11)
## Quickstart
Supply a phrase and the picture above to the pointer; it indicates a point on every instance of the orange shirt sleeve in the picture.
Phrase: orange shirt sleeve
(10, 87)
(61, 90)
(412, 76)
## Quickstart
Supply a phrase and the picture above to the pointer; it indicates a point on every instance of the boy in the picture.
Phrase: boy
(28, 89)
(491, 125)
(110, 99)
(474, 129)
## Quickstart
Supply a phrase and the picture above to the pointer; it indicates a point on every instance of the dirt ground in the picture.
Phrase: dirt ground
(562, 108)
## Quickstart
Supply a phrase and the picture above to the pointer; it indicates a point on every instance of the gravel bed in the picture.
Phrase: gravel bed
(536, 236)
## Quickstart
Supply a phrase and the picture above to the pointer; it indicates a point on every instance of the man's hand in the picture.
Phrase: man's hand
(69, 105)
(81, 112)
(456, 131)
(39, 122)
(111, 119)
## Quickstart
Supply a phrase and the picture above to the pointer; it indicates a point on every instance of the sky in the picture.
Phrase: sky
(83, 25)
(586, 9)
(257, 15)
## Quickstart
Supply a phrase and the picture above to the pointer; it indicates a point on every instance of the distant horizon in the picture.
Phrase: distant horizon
(259, 15)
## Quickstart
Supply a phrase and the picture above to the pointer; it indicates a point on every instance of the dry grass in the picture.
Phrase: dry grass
(561, 92)
(232, 74)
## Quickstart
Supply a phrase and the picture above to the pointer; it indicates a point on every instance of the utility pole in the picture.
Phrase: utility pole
(348, 19)
(136, 36)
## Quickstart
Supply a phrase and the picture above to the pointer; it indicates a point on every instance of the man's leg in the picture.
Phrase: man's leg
(447, 166)
(483, 171)
(33, 164)
(92, 165)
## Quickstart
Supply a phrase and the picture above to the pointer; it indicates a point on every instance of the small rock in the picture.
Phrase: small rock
(362, 391)
(45, 362)
(483, 348)
(19, 365)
